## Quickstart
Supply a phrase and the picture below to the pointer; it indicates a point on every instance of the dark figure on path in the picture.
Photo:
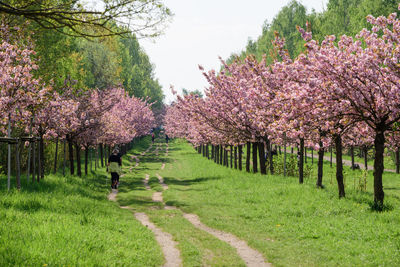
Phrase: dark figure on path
(166, 138)
(114, 167)
(152, 137)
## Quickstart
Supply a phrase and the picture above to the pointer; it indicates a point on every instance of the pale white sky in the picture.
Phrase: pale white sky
(203, 30)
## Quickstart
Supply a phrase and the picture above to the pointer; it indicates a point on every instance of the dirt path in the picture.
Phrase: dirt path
(168, 245)
(165, 240)
(250, 256)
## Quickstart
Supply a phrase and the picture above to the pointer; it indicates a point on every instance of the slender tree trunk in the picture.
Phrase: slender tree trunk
(339, 165)
(270, 156)
(221, 154)
(305, 155)
(261, 155)
(379, 143)
(284, 155)
(240, 148)
(17, 161)
(65, 157)
(42, 157)
(101, 155)
(255, 169)
(280, 150)
(39, 163)
(320, 164)
(91, 158)
(312, 156)
(226, 157)
(78, 160)
(215, 154)
(86, 159)
(365, 152)
(231, 157)
(40, 160)
(248, 157)
(28, 170)
(71, 157)
(34, 160)
(352, 156)
(207, 152)
(331, 156)
(9, 154)
(212, 152)
(291, 151)
(55, 157)
(397, 160)
(301, 161)
(235, 155)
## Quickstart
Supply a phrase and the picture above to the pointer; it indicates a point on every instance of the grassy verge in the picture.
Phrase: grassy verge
(291, 224)
(68, 221)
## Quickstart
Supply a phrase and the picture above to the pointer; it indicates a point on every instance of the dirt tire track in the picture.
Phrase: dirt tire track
(250, 256)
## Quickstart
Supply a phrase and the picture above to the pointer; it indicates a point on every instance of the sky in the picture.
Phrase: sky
(201, 31)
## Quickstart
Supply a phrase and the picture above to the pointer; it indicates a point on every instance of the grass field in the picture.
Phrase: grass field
(69, 222)
(291, 224)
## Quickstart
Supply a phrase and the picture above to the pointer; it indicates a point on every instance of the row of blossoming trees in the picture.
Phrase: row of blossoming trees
(83, 118)
(337, 93)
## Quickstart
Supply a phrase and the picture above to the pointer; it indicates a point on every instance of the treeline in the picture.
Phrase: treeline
(75, 67)
(339, 17)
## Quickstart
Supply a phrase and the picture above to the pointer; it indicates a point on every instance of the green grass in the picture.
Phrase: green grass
(291, 224)
(69, 222)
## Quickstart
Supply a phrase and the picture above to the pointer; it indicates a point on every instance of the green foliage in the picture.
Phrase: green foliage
(340, 17)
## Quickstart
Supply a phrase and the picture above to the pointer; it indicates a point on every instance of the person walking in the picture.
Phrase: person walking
(152, 137)
(114, 167)
(166, 138)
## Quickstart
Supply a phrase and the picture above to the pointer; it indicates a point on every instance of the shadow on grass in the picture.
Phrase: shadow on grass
(187, 182)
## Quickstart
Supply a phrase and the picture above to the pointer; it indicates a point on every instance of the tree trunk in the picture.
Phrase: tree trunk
(212, 153)
(305, 155)
(9, 154)
(320, 164)
(339, 164)
(33, 161)
(379, 143)
(365, 152)
(65, 157)
(261, 155)
(270, 156)
(28, 169)
(397, 160)
(240, 156)
(221, 154)
(312, 156)
(352, 156)
(231, 157)
(71, 156)
(284, 155)
(235, 160)
(331, 156)
(55, 157)
(86, 159)
(248, 157)
(255, 169)
(101, 155)
(40, 160)
(91, 159)
(301, 161)
(17, 161)
(78, 160)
